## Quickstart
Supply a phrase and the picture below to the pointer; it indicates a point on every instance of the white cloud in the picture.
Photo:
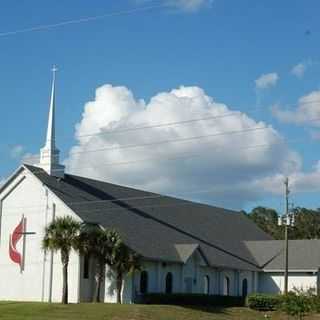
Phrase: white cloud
(267, 80)
(224, 164)
(29, 158)
(189, 5)
(300, 182)
(16, 151)
(307, 112)
(300, 69)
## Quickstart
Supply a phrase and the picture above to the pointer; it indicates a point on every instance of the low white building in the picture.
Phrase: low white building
(304, 262)
(186, 247)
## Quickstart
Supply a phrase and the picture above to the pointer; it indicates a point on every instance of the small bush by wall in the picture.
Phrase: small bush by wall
(264, 302)
(296, 304)
(191, 299)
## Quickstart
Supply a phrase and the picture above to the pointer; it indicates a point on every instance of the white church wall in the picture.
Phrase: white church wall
(151, 268)
(175, 270)
(110, 289)
(273, 282)
(213, 283)
(29, 198)
(26, 198)
(224, 275)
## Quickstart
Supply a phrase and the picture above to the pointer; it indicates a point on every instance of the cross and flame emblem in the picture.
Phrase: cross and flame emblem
(15, 237)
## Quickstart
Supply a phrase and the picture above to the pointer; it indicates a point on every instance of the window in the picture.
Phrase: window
(169, 281)
(144, 282)
(86, 261)
(244, 287)
(226, 286)
(206, 285)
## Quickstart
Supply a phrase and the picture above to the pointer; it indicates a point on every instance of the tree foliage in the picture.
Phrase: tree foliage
(123, 261)
(107, 248)
(99, 244)
(307, 223)
(62, 235)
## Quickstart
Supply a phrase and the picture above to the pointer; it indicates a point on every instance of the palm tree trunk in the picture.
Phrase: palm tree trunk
(65, 262)
(99, 277)
(119, 281)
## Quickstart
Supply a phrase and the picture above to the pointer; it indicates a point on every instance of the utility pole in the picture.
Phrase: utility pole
(288, 220)
(286, 244)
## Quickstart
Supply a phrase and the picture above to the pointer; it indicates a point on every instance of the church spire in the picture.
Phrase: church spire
(50, 142)
(49, 154)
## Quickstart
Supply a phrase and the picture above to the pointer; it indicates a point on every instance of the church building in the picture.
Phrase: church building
(186, 247)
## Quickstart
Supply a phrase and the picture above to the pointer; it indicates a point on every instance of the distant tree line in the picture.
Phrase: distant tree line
(307, 223)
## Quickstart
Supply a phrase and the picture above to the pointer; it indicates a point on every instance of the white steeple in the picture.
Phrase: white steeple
(49, 154)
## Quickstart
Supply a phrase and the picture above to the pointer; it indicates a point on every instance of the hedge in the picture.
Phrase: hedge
(191, 299)
(264, 302)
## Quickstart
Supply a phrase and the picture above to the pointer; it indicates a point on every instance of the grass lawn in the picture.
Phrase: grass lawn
(43, 311)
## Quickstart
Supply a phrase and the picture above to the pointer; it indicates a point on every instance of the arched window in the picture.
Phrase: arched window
(244, 287)
(226, 286)
(144, 282)
(86, 262)
(206, 285)
(169, 282)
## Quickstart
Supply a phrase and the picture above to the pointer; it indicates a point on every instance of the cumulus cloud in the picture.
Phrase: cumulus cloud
(307, 112)
(300, 69)
(220, 169)
(16, 151)
(267, 80)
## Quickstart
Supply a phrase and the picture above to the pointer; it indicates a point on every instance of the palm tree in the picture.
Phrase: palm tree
(123, 261)
(61, 235)
(100, 244)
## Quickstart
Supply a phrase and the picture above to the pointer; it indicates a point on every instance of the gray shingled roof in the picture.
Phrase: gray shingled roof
(303, 254)
(153, 224)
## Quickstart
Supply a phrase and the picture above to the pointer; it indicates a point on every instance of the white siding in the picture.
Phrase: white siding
(28, 197)
(274, 282)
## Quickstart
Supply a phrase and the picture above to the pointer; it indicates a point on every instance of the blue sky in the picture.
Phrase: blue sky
(221, 47)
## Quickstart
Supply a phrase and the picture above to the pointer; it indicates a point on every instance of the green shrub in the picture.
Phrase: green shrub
(298, 304)
(191, 299)
(264, 302)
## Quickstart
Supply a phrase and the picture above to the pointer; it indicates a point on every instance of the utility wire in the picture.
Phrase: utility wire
(173, 140)
(130, 146)
(153, 195)
(143, 127)
(81, 20)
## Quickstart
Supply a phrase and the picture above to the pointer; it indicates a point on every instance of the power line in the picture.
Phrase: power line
(223, 133)
(81, 20)
(174, 140)
(184, 155)
(160, 125)
(143, 127)
(187, 155)
(40, 171)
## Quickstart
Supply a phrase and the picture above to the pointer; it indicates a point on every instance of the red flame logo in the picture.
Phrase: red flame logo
(15, 237)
